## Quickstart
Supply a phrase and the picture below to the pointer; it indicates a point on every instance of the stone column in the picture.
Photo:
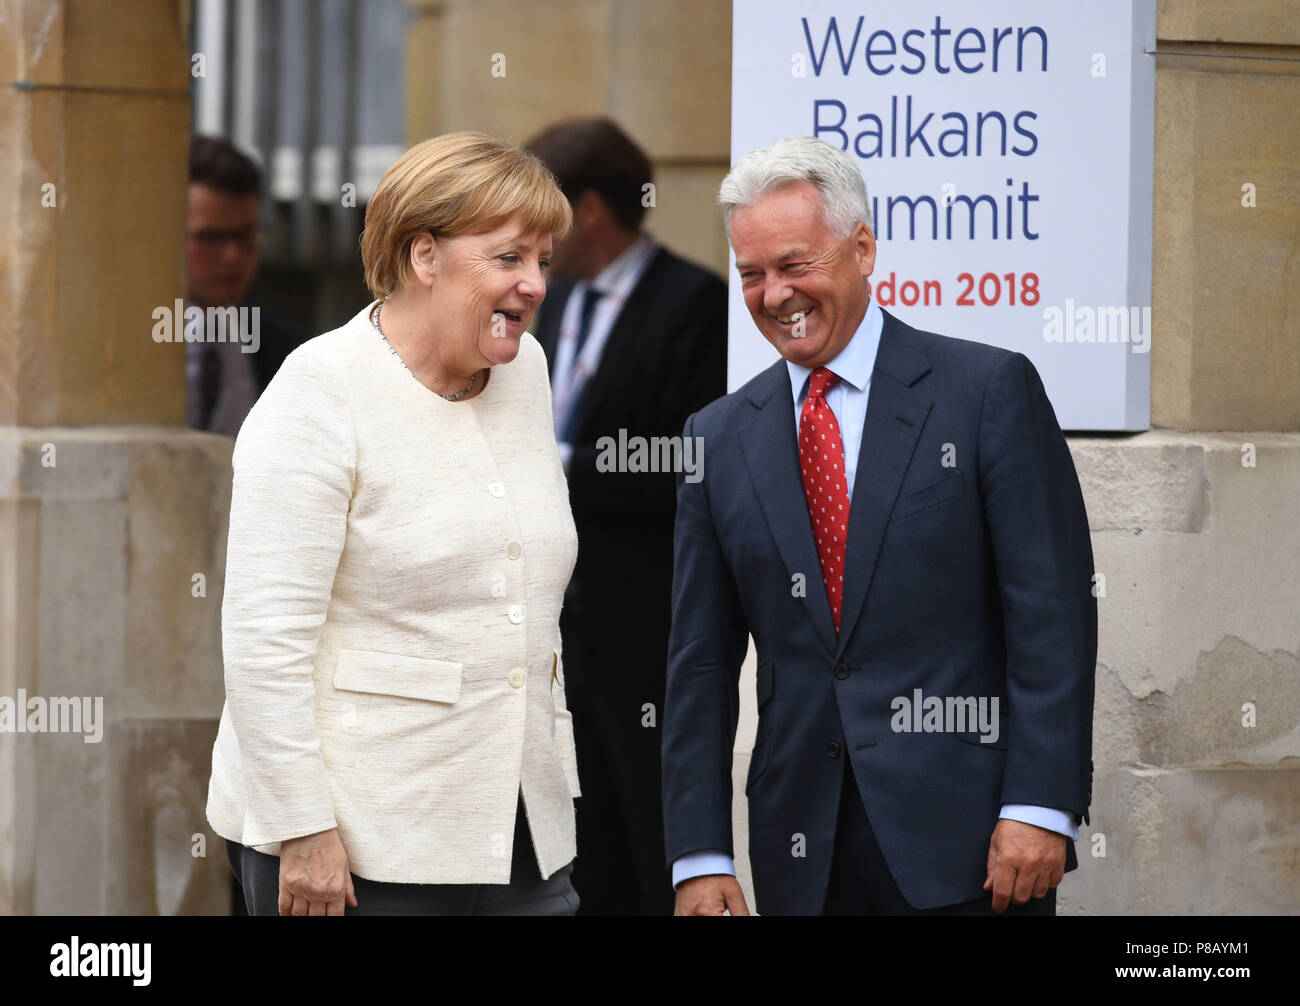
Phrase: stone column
(424, 69)
(112, 514)
(1195, 524)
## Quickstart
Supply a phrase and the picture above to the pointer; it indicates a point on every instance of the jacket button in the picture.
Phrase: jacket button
(516, 614)
(842, 671)
(516, 678)
(833, 750)
(513, 549)
(496, 489)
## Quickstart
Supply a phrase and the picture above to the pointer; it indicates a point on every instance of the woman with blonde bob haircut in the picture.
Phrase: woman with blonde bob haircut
(395, 738)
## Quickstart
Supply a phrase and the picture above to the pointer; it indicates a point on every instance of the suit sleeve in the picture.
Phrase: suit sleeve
(294, 464)
(1043, 556)
(706, 648)
(695, 374)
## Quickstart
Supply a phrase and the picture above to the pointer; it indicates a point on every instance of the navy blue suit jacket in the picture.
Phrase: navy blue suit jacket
(966, 579)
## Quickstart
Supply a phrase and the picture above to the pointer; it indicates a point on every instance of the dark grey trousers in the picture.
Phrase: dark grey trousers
(526, 894)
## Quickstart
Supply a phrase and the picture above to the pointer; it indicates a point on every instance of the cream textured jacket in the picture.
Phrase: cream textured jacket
(390, 627)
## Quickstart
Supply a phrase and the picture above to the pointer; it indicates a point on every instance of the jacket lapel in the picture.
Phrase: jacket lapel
(772, 456)
(896, 411)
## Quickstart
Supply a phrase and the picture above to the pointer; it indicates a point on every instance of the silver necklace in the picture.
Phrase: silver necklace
(374, 320)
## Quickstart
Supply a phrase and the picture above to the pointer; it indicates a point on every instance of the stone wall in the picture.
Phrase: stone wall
(108, 507)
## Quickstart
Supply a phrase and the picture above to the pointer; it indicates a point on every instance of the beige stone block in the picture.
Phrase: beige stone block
(19, 607)
(82, 589)
(96, 559)
(555, 60)
(148, 49)
(1173, 597)
(110, 368)
(175, 486)
(1201, 722)
(178, 508)
(31, 42)
(686, 216)
(425, 37)
(76, 324)
(69, 809)
(165, 859)
(1151, 482)
(1258, 21)
(63, 463)
(28, 252)
(91, 43)
(670, 76)
(1189, 843)
(1226, 346)
(80, 622)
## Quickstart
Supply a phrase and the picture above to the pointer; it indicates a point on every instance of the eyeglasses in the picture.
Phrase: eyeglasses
(211, 240)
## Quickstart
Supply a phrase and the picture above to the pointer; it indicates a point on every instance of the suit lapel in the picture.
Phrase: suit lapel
(896, 411)
(772, 456)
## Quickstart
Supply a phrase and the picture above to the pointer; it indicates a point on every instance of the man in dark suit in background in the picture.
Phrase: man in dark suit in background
(895, 517)
(223, 249)
(636, 341)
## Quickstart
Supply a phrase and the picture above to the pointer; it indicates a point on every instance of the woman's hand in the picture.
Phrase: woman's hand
(314, 877)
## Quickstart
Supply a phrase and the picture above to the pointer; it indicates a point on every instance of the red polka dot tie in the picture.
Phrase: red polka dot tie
(821, 458)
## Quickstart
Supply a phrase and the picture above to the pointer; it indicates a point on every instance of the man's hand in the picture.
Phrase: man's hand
(314, 877)
(1025, 862)
(711, 894)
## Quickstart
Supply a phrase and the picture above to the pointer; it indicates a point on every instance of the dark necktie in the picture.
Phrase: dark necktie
(209, 384)
(590, 297)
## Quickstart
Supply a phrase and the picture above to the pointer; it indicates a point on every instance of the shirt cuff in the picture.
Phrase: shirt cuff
(701, 864)
(1050, 818)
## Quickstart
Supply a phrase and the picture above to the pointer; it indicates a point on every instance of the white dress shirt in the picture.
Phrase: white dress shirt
(848, 401)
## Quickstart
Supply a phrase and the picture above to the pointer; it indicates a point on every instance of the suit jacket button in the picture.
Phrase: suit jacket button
(842, 671)
(833, 749)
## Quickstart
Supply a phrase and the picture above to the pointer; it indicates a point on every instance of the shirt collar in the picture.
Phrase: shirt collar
(621, 275)
(855, 361)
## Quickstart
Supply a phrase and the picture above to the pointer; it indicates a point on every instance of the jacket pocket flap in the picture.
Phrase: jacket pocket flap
(931, 495)
(395, 674)
(975, 735)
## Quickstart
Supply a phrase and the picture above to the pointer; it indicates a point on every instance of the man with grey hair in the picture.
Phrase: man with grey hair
(894, 516)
